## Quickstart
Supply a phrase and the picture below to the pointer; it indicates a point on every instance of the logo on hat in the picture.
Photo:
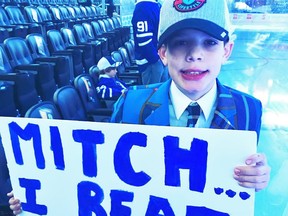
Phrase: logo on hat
(188, 5)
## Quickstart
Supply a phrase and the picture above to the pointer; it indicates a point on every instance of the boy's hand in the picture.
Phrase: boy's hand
(15, 204)
(255, 175)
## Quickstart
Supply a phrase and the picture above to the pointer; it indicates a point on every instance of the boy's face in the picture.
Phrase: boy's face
(112, 72)
(194, 60)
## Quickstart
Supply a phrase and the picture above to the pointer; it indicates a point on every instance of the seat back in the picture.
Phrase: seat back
(102, 25)
(55, 41)
(84, 12)
(15, 14)
(90, 13)
(94, 72)
(57, 44)
(65, 13)
(125, 57)
(45, 14)
(132, 42)
(62, 64)
(116, 22)
(82, 38)
(18, 51)
(33, 14)
(87, 90)
(131, 51)
(69, 103)
(130, 77)
(93, 37)
(96, 109)
(97, 28)
(4, 20)
(125, 30)
(80, 34)
(71, 11)
(4, 34)
(21, 58)
(56, 13)
(87, 49)
(25, 94)
(118, 58)
(107, 25)
(89, 31)
(7, 104)
(110, 38)
(17, 17)
(68, 36)
(78, 13)
(108, 28)
(111, 23)
(38, 45)
(5, 66)
(44, 110)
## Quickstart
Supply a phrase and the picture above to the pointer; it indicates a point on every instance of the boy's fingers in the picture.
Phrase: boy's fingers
(258, 159)
(252, 170)
(257, 186)
(10, 194)
(252, 179)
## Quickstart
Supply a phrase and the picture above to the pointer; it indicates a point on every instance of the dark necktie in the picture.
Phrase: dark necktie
(193, 114)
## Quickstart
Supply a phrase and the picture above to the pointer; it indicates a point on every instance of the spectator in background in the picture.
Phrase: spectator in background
(109, 86)
(110, 8)
(145, 22)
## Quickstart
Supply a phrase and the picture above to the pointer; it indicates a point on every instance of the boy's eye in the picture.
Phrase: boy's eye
(181, 43)
(211, 42)
(178, 43)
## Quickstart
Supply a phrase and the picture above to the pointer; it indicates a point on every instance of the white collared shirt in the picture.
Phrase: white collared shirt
(179, 103)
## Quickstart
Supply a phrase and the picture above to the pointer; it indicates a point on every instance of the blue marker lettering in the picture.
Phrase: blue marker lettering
(87, 203)
(117, 197)
(195, 160)
(122, 162)
(31, 131)
(89, 140)
(31, 186)
(156, 204)
(57, 148)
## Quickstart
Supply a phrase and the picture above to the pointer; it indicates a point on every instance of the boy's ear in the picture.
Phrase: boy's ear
(162, 54)
(228, 48)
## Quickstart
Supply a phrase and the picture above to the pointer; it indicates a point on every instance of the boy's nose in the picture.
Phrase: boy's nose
(194, 54)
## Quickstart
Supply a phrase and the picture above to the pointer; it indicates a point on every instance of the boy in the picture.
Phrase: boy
(194, 42)
(109, 87)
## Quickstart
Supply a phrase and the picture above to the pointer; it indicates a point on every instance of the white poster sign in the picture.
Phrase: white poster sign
(75, 168)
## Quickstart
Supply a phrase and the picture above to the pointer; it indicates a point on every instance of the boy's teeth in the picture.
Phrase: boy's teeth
(196, 73)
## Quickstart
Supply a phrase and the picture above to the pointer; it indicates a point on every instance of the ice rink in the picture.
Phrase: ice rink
(259, 66)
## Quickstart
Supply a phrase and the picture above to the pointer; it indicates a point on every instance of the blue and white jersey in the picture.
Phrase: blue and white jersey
(145, 23)
(110, 88)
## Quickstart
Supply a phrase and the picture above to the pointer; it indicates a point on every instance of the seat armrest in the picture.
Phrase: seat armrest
(101, 112)
(63, 52)
(109, 103)
(31, 68)
(46, 60)
(132, 67)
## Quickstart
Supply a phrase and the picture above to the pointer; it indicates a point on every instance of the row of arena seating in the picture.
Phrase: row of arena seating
(20, 21)
(44, 68)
